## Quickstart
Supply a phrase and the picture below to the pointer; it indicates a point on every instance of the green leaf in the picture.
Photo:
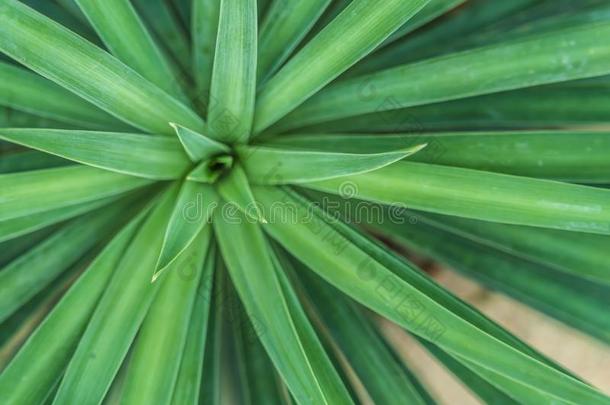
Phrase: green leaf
(385, 379)
(157, 353)
(252, 361)
(26, 160)
(16, 227)
(233, 86)
(168, 30)
(88, 71)
(563, 155)
(204, 29)
(336, 209)
(475, 383)
(22, 90)
(432, 10)
(211, 383)
(235, 189)
(567, 297)
(13, 118)
(569, 155)
(198, 146)
(473, 17)
(538, 107)
(19, 326)
(359, 29)
(57, 13)
(151, 157)
(569, 54)
(44, 190)
(480, 195)
(22, 278)
(285, 24)
(118, 315)
(265, 165)
(582, 255)
(273, 308)
(188, 387)
(37, 366)
(13, 248)
(345, 265)
(122, 31)
(191, 213)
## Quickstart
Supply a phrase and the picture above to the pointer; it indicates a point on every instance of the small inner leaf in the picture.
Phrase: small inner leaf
(211, 170)
(191, 213)
(198, 146)
(235, 189)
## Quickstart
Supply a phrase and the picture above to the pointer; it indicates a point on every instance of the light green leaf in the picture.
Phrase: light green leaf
(188, 382)
(233, 84)
(157, 353)
(582, 255)
(569, 54)
(569, 155)
(38, 365)
(542, 107)
(235, 189)
(22, 89)
(122, 31)
(359, 29)
(345, 265)
(282, 327)
(22, 278)
(481, 195)
(191, 213)
(198, 146)
(567, 297)
(151, 157)
(204, 30)
(341, 208)
(285, 24)
(38, 191)
(16, 227)
(385, 379)
(265, 165)
(88, 71)
(118, 314)
(563, 155)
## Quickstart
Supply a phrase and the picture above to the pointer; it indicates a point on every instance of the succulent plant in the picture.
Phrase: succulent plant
(215, 201)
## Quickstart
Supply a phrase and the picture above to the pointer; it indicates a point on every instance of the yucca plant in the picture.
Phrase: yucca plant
(191, 192)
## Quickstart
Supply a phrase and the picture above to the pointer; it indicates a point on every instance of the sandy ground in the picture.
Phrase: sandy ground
(583, 355)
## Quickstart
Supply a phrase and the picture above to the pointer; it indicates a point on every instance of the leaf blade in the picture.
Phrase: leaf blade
(151, 157)
(264, 165)
(233, 85)
(349, 37)
(72, 62)
(569, 54)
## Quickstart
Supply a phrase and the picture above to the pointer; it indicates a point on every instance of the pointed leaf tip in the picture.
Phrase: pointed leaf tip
(272, 165)
(198, 146)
